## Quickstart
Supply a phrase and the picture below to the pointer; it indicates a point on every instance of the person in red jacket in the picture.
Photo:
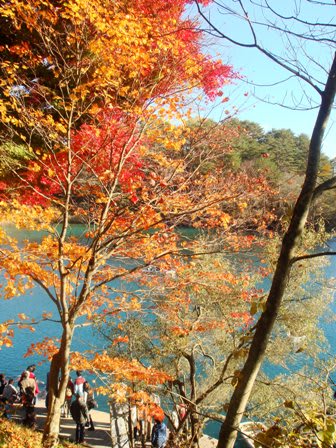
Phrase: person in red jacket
(31, 370)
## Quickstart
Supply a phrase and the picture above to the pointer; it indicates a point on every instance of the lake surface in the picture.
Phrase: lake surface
(12, 361)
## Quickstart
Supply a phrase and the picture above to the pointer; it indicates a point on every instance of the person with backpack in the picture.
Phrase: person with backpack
(80, 415)
(28, 387)
(27, 382)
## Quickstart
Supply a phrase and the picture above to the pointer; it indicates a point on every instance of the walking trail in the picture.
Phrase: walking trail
(101, 436)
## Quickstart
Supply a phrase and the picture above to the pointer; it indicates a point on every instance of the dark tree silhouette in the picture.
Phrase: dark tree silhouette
(298, 32)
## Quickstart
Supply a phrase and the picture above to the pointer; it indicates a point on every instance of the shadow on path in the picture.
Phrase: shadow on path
(100, 437)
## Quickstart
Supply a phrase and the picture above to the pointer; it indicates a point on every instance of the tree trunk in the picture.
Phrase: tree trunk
(240, 397)
(195, 426)
(58, 380)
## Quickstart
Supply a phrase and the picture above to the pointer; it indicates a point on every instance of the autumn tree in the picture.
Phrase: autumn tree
(299, 30)
(179, 329)
(90, 91)
(196, 323)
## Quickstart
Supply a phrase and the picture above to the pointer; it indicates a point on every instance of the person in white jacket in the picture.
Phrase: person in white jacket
(79, 383)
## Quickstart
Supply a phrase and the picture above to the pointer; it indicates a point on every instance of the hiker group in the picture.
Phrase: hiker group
(27, 390)
(79, 401)
(81, 406)
(25, 393)
(146, 418)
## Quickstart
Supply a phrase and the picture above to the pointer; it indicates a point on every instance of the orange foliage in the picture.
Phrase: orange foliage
(46, 348)
(17, 436)
(121, 372)
(97, 93)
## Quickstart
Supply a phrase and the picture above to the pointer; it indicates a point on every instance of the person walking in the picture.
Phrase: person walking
(90, 403)
(79, 383)
(80, 414)
(159, 431)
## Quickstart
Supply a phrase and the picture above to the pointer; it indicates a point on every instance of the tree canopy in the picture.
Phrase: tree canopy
(98, 103)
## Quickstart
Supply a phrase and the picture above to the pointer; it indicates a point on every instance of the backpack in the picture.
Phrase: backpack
(91, 403)
(27, 397)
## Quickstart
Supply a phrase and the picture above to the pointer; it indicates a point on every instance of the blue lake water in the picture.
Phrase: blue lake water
(12, 361)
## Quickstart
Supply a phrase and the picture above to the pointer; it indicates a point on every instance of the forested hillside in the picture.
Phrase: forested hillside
(281, 156)
(278, 155)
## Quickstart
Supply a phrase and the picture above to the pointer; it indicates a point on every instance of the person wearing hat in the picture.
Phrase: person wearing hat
(159, 431)
(80, 415)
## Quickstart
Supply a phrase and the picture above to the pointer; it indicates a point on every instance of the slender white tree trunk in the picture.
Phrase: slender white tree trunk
(241, 395)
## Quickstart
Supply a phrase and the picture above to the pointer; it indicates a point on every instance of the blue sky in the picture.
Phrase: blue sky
(268, 115)
(256, 68)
